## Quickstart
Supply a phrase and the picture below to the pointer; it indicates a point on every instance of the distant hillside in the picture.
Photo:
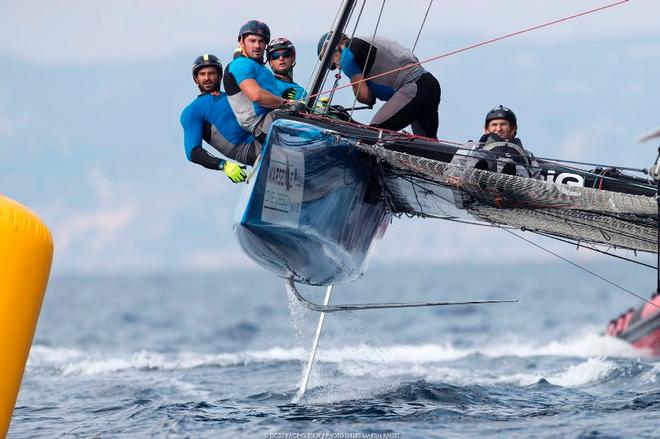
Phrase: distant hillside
(97, 152)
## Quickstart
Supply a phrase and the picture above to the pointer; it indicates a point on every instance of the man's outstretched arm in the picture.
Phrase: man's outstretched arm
(261, 96)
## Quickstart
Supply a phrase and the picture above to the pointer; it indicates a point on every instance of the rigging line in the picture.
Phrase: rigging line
(641, 170)
(592, 248)
(366, 63)
(357, 21)
(422, 26)
(598, 227)
(636, 219)
(586, 244)
(654, 172)
(462, 147)
(338, 75)
(587, 241)
(532, 167)
(318, 61)
(627, 220)
(419, 203)
(608, 177)
(582, 268)
(631, 218)
(585, 171)
(471, 223)
(482, 43)
(574, 229)
(398, 135)
(319, 78)
(411, 176)
(601, 174)
(610, 229)
(401, 137)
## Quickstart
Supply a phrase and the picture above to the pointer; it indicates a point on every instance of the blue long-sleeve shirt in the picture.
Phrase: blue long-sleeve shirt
(209, 117)
(248, 113)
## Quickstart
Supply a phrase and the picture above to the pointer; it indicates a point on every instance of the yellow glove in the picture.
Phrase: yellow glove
(235, 172)
(290, 93)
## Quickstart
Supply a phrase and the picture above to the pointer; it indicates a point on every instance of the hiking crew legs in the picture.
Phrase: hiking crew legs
(415, 104)
(250, 154)
(260, 130)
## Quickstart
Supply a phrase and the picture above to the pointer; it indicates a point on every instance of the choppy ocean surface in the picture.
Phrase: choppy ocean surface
(221, 355)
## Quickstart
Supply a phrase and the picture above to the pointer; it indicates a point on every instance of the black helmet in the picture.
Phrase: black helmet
(255, 27)
(501, 112)
(323, 41)
(206, 60)
(279, 44)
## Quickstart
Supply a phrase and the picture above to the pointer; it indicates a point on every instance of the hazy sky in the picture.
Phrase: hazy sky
(90, 93)
(106, 31)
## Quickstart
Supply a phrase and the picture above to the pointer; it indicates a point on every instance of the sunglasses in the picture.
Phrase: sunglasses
(281, 54)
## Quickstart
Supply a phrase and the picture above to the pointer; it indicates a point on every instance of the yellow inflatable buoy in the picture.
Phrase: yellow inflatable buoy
(26, 253)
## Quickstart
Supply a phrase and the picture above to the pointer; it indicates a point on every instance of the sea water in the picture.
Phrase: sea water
(206, 355)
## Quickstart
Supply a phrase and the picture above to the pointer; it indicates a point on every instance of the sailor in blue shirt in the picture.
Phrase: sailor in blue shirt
(281, 56)
(209, 117)
(393, 75)
(250, 86)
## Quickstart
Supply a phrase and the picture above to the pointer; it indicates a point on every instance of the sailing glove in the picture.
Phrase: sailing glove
(290, 93)
(234, 171)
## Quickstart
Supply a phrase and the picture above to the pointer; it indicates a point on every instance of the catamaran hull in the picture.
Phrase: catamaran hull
(313, 209)
(640, 327)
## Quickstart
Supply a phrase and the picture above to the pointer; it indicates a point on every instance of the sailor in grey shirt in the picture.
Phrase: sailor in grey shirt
(412, 94)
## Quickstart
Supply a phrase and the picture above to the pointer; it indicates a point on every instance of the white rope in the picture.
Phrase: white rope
(422, 26)
(318, 61)
(366, 62)
(337, 76)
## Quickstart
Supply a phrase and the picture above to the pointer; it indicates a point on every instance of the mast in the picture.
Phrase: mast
(654, 172)
(337, 33)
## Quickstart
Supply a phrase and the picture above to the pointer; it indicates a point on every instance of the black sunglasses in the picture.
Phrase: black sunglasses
(281, 54)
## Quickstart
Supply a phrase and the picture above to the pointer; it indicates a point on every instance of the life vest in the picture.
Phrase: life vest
(498, 155)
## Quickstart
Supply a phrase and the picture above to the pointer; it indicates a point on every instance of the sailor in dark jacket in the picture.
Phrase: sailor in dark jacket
(502, 125)
(498, 149)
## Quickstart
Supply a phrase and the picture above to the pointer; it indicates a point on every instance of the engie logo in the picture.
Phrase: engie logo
(564, 179)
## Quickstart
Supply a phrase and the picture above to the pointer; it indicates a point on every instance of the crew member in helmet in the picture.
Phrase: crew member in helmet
(501, 125)
(209, 117)
(251, 87)
(412, 94)
(281, 56)
(498, 149)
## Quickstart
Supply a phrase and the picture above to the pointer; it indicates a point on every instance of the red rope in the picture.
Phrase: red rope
(393, 133)
(474, 46)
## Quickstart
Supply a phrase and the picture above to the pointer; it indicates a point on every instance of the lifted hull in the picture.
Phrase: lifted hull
(313, 209)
